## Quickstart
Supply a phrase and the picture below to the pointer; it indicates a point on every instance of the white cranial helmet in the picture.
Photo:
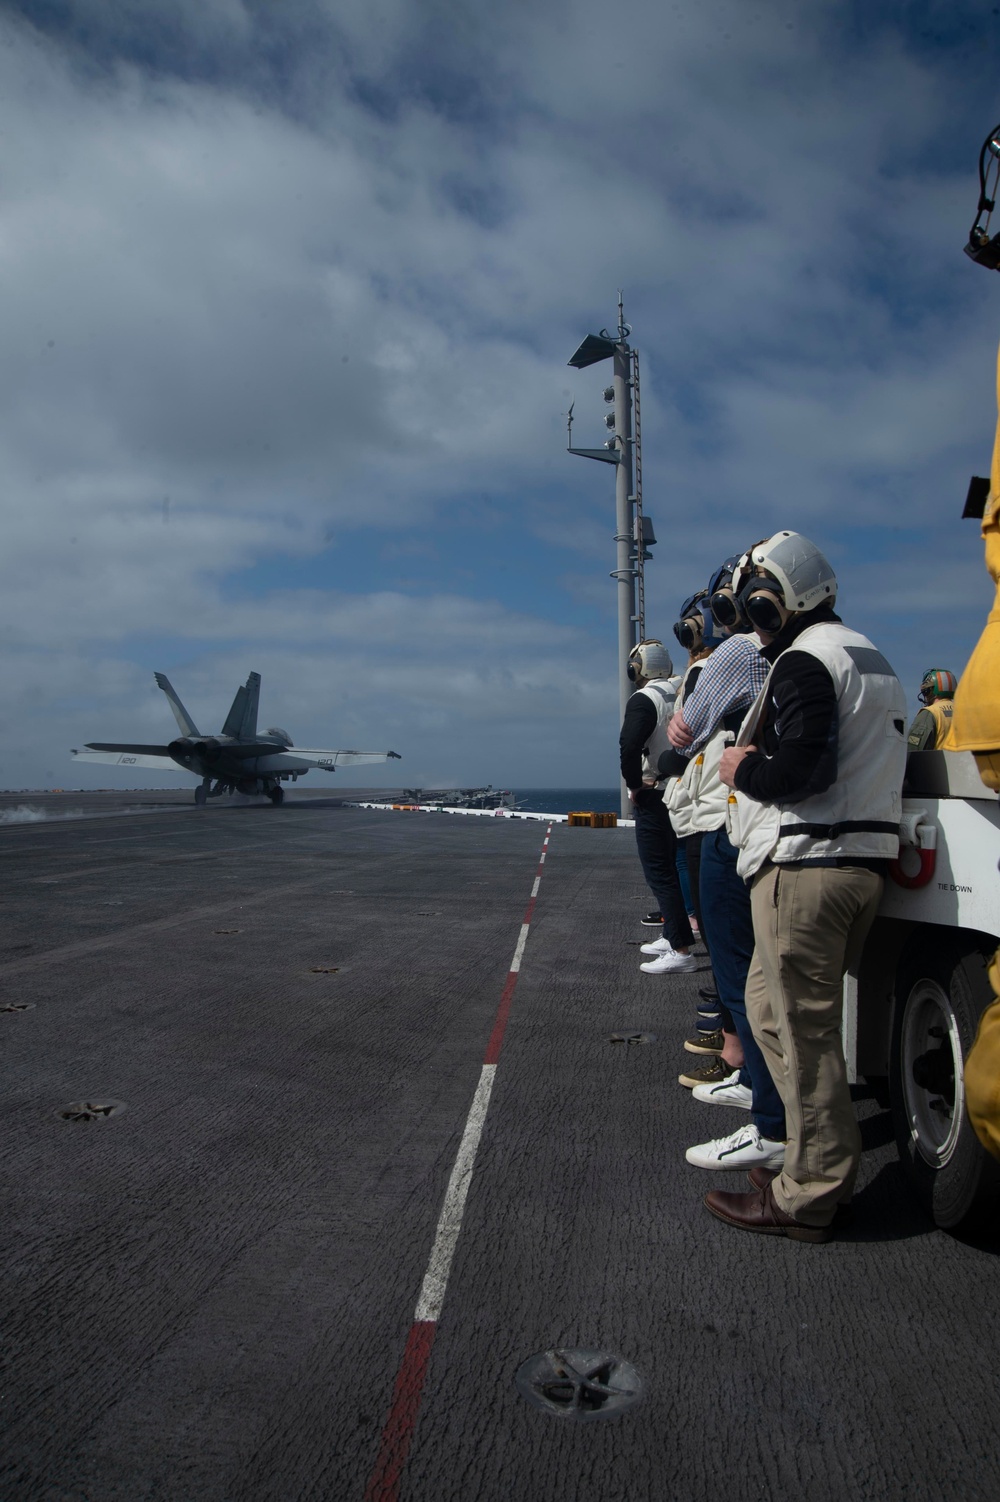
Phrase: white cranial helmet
(805, 575)
(650, 659)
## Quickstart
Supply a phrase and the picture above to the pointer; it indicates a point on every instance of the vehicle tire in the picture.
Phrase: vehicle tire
(942, 990)
(277, 794)
(201, 795)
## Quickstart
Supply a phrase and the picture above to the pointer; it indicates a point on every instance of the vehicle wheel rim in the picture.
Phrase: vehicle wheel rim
(931, 1067)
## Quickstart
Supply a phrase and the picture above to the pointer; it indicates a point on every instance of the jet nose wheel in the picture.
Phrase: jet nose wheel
(276, 794)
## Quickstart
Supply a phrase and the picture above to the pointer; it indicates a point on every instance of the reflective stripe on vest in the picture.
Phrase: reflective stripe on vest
(858, 815)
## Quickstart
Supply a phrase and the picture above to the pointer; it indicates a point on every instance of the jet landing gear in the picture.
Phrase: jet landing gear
(276, 794)
(204, 791)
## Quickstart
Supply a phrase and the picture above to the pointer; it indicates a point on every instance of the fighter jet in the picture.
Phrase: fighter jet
(237, 760)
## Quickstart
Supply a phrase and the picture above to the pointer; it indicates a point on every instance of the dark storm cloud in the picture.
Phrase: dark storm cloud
(298, 56)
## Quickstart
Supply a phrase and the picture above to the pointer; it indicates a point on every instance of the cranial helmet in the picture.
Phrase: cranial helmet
(937, 683)
(650, 659)
(788, 576)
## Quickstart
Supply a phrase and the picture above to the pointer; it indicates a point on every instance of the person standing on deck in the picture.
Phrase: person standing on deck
(932, 723)
(698, 634)
(643, 738)
(818, 773)
(729, 683)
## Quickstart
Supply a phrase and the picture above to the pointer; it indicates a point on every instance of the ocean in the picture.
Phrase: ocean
(568, 800)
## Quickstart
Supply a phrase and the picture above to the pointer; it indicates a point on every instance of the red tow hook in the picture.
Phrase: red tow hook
(922, 844)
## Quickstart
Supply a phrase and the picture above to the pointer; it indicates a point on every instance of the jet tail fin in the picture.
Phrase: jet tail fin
(241, 721)
(248, 731)
(234, 719)
(184, 720)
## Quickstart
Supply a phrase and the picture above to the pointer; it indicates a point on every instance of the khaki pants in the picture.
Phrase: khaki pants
(809, 925)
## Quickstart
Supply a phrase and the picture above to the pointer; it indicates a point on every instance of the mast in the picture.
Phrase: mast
(633, 532)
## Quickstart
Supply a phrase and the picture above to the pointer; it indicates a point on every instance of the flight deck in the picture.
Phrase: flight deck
(243, 1049)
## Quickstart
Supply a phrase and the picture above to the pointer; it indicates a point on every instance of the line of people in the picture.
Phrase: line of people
(774, 765)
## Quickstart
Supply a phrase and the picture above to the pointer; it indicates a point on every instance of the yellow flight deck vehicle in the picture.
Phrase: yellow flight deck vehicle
(923, 981)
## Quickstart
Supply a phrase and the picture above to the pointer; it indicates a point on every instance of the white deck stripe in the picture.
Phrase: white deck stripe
(515, 963)
(450, 1223)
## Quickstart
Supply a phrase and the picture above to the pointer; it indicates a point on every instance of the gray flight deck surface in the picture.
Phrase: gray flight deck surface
(207, 1296)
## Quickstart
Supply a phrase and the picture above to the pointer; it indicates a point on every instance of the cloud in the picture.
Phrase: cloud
(295, 292)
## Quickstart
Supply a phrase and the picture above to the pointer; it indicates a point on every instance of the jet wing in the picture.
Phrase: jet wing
(112, 755)
(331, 759)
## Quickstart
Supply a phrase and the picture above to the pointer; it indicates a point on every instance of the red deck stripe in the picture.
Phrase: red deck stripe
(397, 1436)
(399, 1426)
(493, 1047)
(492, 1054)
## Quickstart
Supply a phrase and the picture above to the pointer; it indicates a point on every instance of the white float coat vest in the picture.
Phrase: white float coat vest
(662, 694)
(678, 795)
(858, 815)
(697, 801)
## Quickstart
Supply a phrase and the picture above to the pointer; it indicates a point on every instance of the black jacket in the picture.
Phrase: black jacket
(797, 739)
(637, 726)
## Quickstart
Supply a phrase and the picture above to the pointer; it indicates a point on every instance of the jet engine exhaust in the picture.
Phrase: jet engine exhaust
(187, 750)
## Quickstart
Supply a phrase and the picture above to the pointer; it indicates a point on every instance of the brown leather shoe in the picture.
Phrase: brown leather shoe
(760, 1177)
(758, 1212)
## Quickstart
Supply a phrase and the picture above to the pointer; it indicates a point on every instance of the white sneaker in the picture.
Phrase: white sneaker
(657, 946)
(743, 1149)
(670, 961)
(729, 1093)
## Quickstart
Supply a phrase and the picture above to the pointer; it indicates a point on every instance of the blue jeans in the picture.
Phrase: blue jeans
(683, 875)
(725, 907)
(657, 846)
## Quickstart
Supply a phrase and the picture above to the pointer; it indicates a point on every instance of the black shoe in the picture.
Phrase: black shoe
(713, 1072)
(706, 1042)
(653, 920)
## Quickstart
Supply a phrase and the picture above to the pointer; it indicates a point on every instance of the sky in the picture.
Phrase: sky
(291, 289)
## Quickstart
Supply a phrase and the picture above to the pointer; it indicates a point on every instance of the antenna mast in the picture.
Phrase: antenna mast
(633, 531)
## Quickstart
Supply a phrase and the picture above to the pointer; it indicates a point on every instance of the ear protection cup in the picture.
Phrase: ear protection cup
(690, 632)
(763, 606)
(724, 607)
(650, 659)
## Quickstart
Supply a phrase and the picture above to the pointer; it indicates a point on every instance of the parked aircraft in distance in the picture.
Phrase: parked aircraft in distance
(487, 797)
(238, 759)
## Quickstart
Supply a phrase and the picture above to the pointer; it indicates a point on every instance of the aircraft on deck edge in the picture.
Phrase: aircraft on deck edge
(238, 759)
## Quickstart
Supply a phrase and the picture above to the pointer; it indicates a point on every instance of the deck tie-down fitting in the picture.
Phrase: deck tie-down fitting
(579, 1385)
